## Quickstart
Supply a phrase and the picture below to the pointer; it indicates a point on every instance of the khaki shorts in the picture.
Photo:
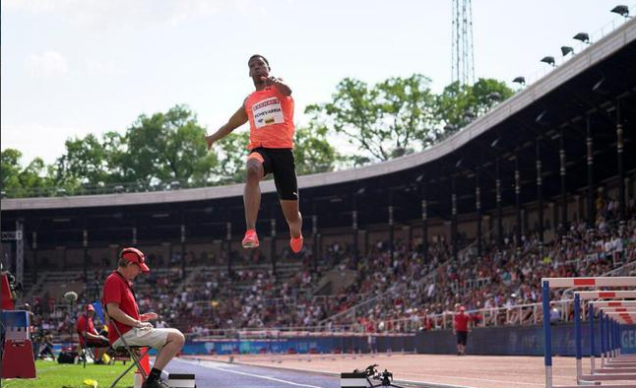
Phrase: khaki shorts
(154, 338)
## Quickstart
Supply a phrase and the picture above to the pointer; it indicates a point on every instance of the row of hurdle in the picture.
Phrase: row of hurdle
(611, 311)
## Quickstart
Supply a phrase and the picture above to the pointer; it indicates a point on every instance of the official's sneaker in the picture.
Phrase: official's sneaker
(296, 244)
(155, 384)
(251, 239)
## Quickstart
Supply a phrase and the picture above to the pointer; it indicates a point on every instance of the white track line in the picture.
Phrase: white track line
(252, 375)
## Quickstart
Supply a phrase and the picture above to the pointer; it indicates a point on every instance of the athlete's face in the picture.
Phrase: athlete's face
(258, 69)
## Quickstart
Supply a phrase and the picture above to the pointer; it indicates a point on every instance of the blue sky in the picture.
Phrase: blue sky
(73, 67)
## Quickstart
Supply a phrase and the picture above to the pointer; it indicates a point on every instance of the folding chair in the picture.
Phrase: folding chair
(134, 355)
(117, 355)
(83, 351)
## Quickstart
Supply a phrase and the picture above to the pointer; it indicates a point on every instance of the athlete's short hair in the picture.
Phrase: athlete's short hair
(258, 56)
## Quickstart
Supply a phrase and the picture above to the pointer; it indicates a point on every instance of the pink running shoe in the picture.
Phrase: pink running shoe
(296, 244)
(251, 239)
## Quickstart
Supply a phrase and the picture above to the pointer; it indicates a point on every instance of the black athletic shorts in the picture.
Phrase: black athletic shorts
(462, 337)
(280, 162)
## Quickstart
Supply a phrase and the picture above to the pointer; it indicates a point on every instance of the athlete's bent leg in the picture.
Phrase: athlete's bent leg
(295, 222)
(252, 192)
(293, 217)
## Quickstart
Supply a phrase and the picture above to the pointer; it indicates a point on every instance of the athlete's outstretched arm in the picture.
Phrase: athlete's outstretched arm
(279, 84)
(239, 118)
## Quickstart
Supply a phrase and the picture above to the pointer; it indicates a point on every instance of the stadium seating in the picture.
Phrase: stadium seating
(403, 294)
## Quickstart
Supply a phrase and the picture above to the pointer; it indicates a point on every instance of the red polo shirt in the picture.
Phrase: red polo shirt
(118, 290)
(81, 327)
(461, 322)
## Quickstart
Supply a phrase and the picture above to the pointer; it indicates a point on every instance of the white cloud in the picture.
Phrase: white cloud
(31, 5)
(104, 68)
(48, 64)
(37, 140)
(103, 14)
(186, 9)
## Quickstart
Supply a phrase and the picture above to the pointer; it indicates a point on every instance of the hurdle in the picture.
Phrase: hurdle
(611, 315)
(616, 303)
(601, 300)
(587, 295)
(620, 318)
(611, 367)
(551, 283)
(619, 313)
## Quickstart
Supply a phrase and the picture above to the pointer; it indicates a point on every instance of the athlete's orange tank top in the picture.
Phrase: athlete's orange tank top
(271, 116)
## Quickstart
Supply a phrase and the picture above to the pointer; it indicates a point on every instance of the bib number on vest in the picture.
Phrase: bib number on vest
(267, 112)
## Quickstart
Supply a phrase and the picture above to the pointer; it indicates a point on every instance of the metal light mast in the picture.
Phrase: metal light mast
(463, 68)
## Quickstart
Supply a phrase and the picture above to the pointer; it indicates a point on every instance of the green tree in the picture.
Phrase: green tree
(389, 119)
(59, 173)
(145, 140)
(34, 177)
(166, 147)
(232, 160)
(155, 150)
(313, 153)
(84, 162)
(458, 104)
(115, 148)
(27, 181)
(186, 157)
(89, 163)
(408, 105)
(10, 169)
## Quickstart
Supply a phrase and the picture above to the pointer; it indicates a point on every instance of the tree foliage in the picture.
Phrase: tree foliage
(10, 169)
(402, 115)
(392, 117)
(167, 147)
(313, 153)
(83, 162)
(27, 181)
(233, 150)
(457, 105)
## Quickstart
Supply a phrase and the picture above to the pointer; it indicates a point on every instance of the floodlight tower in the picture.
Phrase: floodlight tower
(463, 58)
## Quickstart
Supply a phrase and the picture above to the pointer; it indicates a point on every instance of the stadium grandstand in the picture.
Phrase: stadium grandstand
(543, 185)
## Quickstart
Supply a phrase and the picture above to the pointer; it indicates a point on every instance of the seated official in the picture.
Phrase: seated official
(121, 306)
(88, 335)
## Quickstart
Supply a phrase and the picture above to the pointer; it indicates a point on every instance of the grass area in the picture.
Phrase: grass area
(53, 375)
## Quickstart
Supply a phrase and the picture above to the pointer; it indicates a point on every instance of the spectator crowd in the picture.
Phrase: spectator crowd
(403, 291)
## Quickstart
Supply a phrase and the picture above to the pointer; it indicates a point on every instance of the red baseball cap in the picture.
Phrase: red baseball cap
(89, 307)
(136, 256)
